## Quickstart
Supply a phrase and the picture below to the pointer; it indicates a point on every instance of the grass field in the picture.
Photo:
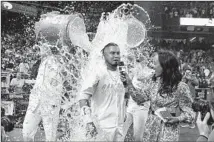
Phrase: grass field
(185, 135)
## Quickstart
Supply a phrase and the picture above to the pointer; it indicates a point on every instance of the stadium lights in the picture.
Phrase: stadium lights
(196, 21)
(7, 5)
(19, 8)
(192, 39)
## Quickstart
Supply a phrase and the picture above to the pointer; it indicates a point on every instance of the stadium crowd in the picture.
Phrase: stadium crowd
(192, 10)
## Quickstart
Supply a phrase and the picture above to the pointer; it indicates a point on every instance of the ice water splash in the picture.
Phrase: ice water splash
(125, 26)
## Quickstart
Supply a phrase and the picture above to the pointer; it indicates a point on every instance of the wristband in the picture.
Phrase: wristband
(85, 110)
(87, 119)
(86, 114)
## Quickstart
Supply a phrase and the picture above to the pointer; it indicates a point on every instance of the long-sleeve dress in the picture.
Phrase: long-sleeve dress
(155, 128)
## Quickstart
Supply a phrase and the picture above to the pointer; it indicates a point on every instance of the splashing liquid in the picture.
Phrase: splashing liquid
(126, 26)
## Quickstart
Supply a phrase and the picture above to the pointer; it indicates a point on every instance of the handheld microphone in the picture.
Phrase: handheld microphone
(122, 69)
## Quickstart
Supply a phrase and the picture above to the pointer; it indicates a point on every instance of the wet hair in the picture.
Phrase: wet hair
(52, 40)
(107, 45)
(54, 50)
(171, 75)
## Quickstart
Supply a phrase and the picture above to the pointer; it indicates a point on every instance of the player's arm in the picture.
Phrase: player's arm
(87, 90)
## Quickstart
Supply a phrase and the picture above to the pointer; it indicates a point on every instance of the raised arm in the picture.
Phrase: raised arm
(185, 103)
(88, 88)
(194, 81)
(136, 90)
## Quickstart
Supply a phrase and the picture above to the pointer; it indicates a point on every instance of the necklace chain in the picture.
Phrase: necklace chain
(113, 77)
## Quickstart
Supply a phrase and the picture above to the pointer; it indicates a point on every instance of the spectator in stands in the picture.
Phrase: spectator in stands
(3, 65)
(10, 65)
(4, 85)
(212, 80)
(190, 79)
(17, 83)
(206, 72)
(3, 82)
(24, 67)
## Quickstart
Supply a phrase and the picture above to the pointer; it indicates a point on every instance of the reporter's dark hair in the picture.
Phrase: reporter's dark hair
(171, 75)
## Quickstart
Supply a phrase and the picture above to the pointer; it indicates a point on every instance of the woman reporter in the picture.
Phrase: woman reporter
(167, 94)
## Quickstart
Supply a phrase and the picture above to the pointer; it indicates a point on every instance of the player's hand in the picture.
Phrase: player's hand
(202, 124)
(188, 75)
(125, 78)
(139, 99)
(171, 120)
